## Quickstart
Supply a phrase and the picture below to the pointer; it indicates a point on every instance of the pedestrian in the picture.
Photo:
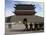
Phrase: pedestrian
(30, 26)
(25, 23)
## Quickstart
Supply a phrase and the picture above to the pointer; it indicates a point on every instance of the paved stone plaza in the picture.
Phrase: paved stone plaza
(17, 29)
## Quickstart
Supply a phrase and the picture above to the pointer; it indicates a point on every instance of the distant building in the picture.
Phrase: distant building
(26, 11)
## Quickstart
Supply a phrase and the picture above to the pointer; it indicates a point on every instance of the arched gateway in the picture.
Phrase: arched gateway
(25, 23)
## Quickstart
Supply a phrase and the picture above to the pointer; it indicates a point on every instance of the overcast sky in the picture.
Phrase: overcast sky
(10, 4)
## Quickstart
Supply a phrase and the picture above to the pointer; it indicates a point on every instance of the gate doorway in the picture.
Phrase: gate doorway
(25, 23)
